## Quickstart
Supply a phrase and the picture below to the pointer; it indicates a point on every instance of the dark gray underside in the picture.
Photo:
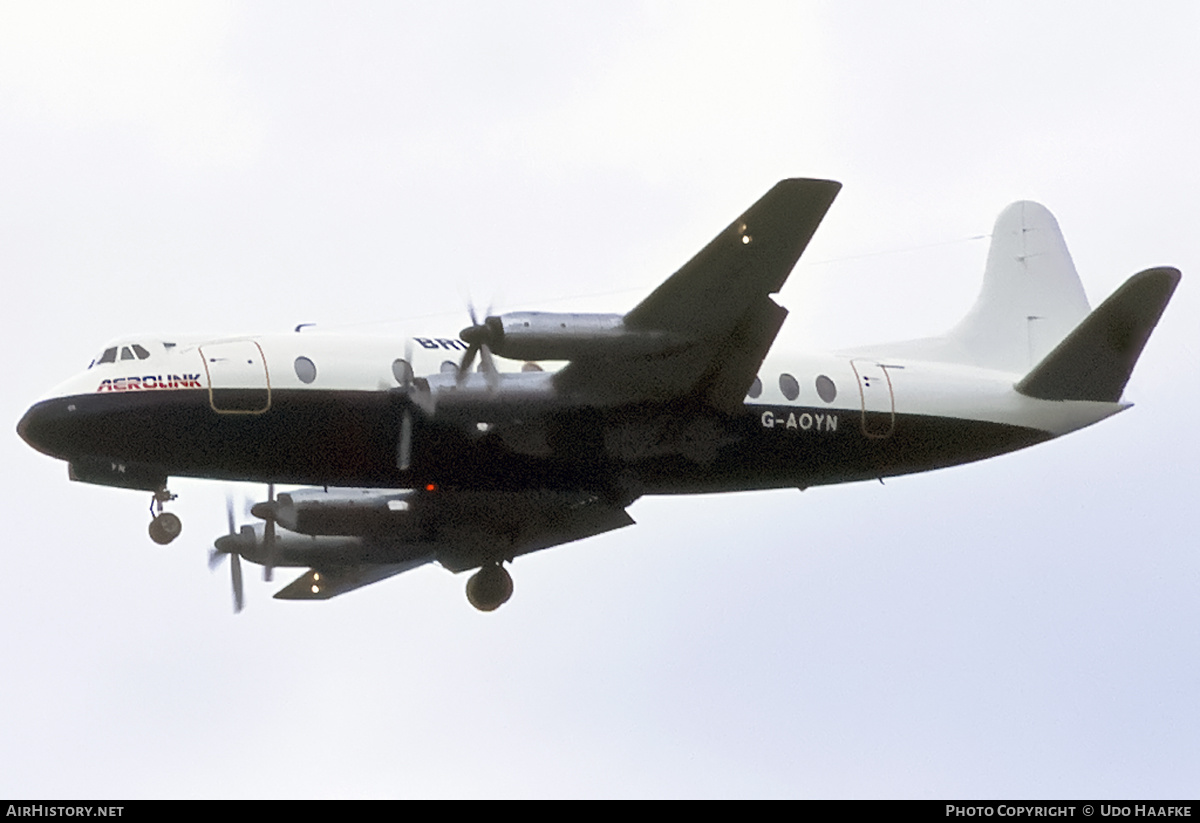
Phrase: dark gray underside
(349, 439)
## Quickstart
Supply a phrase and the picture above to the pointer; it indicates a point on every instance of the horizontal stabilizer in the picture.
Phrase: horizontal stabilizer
(1095, 360)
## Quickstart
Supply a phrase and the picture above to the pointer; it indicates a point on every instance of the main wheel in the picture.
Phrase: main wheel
(164, 528)
(489, 588)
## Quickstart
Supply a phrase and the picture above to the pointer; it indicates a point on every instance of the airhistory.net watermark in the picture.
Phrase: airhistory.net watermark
(46, 810)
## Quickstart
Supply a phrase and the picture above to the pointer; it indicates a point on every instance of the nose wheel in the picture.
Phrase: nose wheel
(164, 526)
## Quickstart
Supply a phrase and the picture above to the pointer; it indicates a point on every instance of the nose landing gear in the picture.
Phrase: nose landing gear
(164, 526)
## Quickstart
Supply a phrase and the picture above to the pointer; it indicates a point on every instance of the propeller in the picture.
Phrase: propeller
(266, 511)
(481, 338)
(416, 392)
(407, 382)
(230, 544)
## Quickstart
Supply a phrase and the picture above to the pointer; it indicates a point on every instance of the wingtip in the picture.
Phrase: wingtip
(809, 182)
(1168, 273)
(308, 586)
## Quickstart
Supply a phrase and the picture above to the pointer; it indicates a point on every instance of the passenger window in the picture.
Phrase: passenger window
(449, 367)
(755, 390)
(826, 389)
(306, 369)
(789, 386)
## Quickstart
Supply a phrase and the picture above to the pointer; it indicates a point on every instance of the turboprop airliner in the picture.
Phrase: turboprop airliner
(530, 429)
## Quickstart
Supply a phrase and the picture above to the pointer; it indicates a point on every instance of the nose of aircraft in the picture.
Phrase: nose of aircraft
(97, 447)
(43, 426)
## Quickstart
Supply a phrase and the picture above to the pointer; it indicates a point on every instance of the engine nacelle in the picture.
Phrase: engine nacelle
(535, 335)
(341, 511)
(292, 549)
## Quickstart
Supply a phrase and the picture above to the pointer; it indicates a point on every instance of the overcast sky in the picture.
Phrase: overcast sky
(1024, 627)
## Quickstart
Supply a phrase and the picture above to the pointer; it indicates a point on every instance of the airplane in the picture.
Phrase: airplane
(411, 456)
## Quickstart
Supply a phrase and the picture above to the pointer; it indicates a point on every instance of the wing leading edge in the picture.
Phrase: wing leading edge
(718, 305)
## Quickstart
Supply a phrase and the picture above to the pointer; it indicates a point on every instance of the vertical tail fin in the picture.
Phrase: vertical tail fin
(1031, 297)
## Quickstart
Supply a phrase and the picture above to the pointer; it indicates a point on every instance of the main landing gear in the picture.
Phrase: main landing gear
(164, 526)
(489, 588)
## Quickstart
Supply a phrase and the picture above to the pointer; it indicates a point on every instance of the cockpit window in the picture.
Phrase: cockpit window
(133, 351)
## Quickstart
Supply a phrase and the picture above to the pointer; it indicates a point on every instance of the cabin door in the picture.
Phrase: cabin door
(878, 401)
(238, 381)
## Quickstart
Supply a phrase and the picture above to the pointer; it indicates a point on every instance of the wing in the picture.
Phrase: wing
(376, 538)
(718, 305)
(486, 527)
(332, 580)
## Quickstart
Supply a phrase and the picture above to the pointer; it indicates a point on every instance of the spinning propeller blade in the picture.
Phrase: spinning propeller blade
(239, 599)
(404, 443)
(480, 339)
(228, 545)
(270, 544)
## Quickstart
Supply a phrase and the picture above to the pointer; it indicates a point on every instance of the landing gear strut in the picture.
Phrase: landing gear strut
(164, 526)
(489, 588)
